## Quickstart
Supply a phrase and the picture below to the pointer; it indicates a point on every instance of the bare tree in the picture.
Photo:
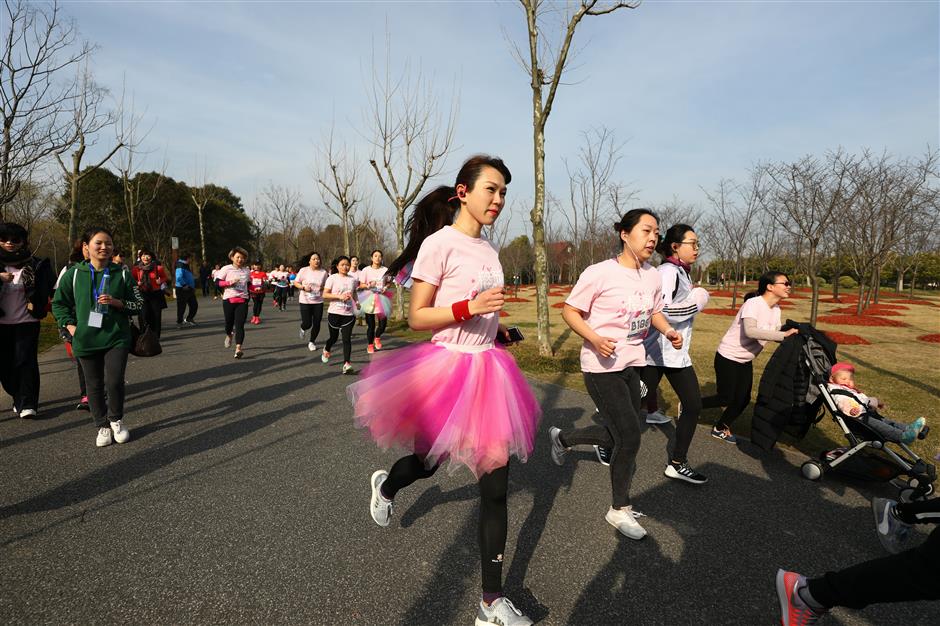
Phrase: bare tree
(411, 139)
(917, 240)
(287, 215)
(735, 210)
(38, 49)
(337, 174)
(87, 121)
(545, 62)
(201, 194)
(806, 197)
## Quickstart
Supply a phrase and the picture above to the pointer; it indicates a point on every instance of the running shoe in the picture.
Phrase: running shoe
(228, 341)
(558, 450)
(239, 354)
(311, 346)
(27, 414)
(303, 334)
(325, 356)
(624, 521)
(190, 323)
(501, 612)
(82, 404)
(348, 368)
(378, 343)
(603, 455)
(379, 508)
(104, 437)
(793, 611)
(913, 429)
(724, 435)
(682, 471)
(121, 434)
(370, 349)
(892, 532)
(657, 417)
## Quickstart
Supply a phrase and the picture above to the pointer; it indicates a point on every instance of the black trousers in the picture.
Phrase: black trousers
(81, 377)
(911, 575)
(235, 316)
(151, 313)
(186, 298)
(310, 317)
(19, 365)
(734, 381)
(371, 331)
(105, 369)
(256, 301)
(204, 283)
(494, 516)
(617, 397)
(685, 383)
(338, 324)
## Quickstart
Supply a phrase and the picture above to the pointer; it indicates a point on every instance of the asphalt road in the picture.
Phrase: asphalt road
(242, 498)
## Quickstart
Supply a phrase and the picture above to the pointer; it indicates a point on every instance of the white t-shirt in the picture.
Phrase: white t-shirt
(617, 302)
(738, 347)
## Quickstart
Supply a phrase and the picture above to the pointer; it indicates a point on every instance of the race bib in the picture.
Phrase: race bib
(95, 319)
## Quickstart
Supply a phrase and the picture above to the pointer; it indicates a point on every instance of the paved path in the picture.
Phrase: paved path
(242, 499)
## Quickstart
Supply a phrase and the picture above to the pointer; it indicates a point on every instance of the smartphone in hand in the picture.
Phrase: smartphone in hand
(514, 335)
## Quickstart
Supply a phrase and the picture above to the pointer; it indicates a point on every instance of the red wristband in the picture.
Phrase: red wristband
(461, 310)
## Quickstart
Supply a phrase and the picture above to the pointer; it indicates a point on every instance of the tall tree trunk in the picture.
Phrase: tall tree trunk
(202, 233)
(861, 295)
(814, 283)
(538, 231)
(836, 275)
(400, 242)
(346, 231)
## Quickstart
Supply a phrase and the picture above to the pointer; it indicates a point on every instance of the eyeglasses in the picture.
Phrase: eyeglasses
(787, 283)
(13, 240)
(695, 244)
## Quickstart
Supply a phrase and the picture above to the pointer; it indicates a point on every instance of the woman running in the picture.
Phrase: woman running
(757, 322)
(94, 300)
(681, 303)
(310, 281)
(373, 278)
(234, 279)
(612, 307)
(458, 397)
(340, 290)
(281, 284)
(257, 289)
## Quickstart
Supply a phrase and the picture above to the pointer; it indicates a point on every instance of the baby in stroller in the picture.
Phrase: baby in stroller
(852, 402)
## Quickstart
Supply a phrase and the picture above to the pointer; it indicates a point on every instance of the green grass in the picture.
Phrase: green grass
(48, 333)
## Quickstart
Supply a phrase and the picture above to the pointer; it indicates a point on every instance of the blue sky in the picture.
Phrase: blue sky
(699, 91)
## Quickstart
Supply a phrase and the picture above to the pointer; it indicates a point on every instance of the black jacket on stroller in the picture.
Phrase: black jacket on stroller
(787, 399)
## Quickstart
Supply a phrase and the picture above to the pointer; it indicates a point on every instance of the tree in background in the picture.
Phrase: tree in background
(337, 175)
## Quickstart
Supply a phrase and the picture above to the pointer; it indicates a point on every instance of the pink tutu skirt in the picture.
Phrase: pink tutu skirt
(473, 408)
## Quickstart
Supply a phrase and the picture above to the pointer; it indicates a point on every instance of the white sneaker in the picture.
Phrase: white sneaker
(228, 341)
(325, 356)
(348, 368)
(558, 450)
(379, 507)
(303, 334)
(311, 346)
(104, 437)
(657, 417)
(121, 434)
(501, 612)
(27, 413)
(625, 522)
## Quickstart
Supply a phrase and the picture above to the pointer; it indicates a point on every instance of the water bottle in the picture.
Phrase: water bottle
(103, 289)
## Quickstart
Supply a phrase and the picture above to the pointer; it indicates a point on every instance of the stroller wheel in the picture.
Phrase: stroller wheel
(812, 470)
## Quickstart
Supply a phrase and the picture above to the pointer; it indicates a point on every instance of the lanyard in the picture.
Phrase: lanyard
(100, 288)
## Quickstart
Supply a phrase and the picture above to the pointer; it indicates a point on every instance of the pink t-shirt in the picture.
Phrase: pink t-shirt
(738, 347)
(315, 279)
(617, 302)
(339, 284)
(460, 267)
(238, 279)
(370, 275)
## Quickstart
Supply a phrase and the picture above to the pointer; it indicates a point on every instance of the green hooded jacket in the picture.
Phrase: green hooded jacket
(74, 300)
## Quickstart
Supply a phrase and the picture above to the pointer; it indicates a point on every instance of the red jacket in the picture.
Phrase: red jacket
(150, 281)
(258, 284)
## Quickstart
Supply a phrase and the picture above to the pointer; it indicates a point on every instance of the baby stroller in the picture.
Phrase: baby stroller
(868, 456)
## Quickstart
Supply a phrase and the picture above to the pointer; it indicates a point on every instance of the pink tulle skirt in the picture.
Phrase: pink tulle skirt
(474, 409)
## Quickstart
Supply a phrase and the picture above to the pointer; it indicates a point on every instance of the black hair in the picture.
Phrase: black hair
(767, 279)
(237, 250)
(148, 252)
(334, 266)
(77, 255)
(439, 206)
(630, 219)
(304, 261)
(94, 230)
(675, 234)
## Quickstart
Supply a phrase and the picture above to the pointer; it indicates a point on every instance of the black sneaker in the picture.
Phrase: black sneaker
(682, 471)
(603, 454)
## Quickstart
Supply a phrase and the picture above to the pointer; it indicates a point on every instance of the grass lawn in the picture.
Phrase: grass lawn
(896, 366)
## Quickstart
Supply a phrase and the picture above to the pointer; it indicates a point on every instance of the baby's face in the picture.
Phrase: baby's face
(844, 377)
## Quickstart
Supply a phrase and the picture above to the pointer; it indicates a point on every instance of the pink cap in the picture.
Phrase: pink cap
(841, 366)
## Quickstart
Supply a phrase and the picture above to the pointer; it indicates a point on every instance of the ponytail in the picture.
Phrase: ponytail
(675, 234)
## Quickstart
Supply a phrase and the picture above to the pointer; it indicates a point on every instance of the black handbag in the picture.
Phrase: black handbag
(144, 342)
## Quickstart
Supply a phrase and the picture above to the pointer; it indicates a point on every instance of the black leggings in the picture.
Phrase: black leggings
(494, 517)
(151, 312)
(256, 301)
(81, 377)
(339, 323)
(733, 382)
(372, 333)
(617, 397)
(235, 316)
(105, 369)
(310, 317)
(280, 296)
(685, 383)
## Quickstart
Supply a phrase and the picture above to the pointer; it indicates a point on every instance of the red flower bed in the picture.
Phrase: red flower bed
(843, 299)
(859, 320)
(723, 293)
(930, 338)
(557, 294)
(558, 305)
(503, 314)
(560, 287)
(517, 300)
(844, 339)
(877, 309)
(909, 301)
(720, 311)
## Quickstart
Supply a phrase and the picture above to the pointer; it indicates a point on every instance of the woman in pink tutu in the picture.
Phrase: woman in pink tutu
(458, 398)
